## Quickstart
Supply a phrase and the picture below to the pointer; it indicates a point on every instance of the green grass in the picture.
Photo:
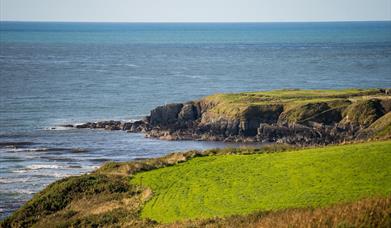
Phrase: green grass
(59, 195)
(205, 187)
(382, 126)
(233, 105)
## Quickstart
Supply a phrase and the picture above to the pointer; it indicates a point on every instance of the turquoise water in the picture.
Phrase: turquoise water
(196, 33)
(59, 73)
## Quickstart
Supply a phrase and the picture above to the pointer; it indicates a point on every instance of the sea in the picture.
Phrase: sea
(66, 73)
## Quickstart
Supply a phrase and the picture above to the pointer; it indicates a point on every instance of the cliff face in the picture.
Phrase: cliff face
(288, 116)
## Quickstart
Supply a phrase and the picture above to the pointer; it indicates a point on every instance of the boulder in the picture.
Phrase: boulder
(138, 126)
(85, 125)
(165, 115)
(66, 125)
(188, 113)
(127, 126)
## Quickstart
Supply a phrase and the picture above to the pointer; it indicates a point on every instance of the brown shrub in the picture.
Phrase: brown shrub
(373, 212)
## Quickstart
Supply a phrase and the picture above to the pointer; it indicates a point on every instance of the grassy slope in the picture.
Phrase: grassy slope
(232, 105)
(382, 126)
(107, 197)
(240, 184)
(373, 212)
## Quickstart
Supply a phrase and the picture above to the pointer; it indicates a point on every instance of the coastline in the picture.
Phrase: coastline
(292, 120)
(301, 117)
(60, 73)
(116, 194)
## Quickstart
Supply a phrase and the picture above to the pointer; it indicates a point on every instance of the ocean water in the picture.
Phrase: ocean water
(60, 73)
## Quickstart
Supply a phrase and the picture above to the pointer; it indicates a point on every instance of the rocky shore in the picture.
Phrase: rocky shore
(301, 117)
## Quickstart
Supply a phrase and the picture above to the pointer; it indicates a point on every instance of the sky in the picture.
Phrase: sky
(194, 10)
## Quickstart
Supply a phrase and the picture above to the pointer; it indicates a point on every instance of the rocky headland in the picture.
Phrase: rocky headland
(301, 117)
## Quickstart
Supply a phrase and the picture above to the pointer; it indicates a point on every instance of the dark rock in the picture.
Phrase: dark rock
(138, 126)
(232, 128)
(109, 125)
(127, 126)
(85, 125)
(307, 124)
(255, 115)
(112, 127)
(165, 115)
(188, 113)
(292, 133)
(67, 125)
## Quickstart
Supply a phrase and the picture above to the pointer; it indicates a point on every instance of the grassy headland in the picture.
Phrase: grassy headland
(226, 185)
(207, 186)
(223, 182)
(235, 105)
(301, 117)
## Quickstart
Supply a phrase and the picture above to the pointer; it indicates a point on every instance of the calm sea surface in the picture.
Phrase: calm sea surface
(58, 73)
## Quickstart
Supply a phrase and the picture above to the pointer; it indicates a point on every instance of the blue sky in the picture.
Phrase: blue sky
(194, 10)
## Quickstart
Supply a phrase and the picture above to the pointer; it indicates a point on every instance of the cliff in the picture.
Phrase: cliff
(287, 116)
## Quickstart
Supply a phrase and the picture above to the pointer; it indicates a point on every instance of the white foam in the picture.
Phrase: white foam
(17, 149)
(93, 167)
(194, 76)
(20, 171)
(131, 65)
(58, 128)
(35, 167)
(43, 166)
(13, 180)
(40, 149)
(57, 175)
(78, 123)
(37, 149)
(20, 191)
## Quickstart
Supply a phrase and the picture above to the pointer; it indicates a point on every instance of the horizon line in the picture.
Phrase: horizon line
(194, 22)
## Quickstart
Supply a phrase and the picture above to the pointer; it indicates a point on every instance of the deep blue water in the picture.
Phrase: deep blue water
(57, 73)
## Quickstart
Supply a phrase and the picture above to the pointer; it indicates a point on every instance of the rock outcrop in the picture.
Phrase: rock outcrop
(287, 116)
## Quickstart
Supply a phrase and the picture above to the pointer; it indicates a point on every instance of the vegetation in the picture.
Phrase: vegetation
(105, 196)
(134, 167)
(373, 212)
(221, 183)
(363, 113)
(241, 186)
(85, 200)
(382, 126)
(234, 105)
(225, 185)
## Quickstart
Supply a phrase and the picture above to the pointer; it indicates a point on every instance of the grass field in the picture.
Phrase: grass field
(372, 212)
(225, 185)
(233, 104)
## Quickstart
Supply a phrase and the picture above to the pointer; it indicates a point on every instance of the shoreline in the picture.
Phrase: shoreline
(282, 116)
(115, 190)
(290, 119)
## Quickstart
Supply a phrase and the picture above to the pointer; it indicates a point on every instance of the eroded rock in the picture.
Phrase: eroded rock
(315, 119)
